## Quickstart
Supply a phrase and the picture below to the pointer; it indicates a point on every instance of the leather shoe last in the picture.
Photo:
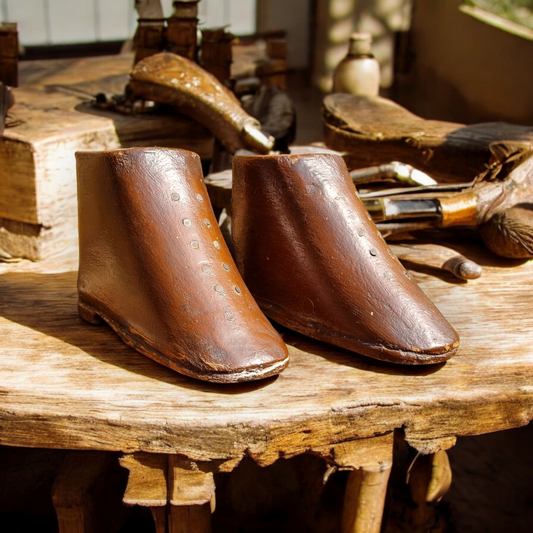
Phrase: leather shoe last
(315, 263)
(154, 266)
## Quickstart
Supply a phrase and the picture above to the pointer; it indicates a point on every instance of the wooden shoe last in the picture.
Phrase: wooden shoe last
(154, 266)
(315, 263)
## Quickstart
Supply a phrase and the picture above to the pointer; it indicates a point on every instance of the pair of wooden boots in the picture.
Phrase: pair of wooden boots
(155, 267)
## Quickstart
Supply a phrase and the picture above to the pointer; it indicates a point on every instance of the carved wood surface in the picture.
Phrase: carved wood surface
(66, 384)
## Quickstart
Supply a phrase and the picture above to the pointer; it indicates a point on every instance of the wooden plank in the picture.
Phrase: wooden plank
(147, 480)
(38, 154)
(66, 384)
(189, 484)
(364, 453)
(37, 163)
(179, 493)
(147, 485)
(18, 181)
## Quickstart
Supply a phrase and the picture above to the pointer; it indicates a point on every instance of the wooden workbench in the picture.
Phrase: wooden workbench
(66, 384)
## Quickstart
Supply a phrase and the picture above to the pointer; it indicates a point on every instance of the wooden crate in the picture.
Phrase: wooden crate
(52, 119)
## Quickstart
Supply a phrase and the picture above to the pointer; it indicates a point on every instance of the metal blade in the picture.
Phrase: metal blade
(382, 209)
(442, 187)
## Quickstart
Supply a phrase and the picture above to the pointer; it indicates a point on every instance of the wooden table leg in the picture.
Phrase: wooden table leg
(429, 480)
(76, 489)
(190, 519)
(159, 514)
(364, 499)
(147, 485)
(370, 462)
(179, 492)
(192, 495)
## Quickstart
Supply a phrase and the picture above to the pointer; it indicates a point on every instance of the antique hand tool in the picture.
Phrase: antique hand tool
(395, 171)
(499, 203)
(176, 81)
(437, 256)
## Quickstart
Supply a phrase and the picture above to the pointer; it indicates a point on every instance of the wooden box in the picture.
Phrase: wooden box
(51, 120)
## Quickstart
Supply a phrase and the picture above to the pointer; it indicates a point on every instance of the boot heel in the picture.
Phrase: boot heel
(89, 313)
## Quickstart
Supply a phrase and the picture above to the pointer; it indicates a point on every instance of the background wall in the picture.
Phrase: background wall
(49, 22)
(294, 17)
(453, 67)
(458, 68)
(336, 20)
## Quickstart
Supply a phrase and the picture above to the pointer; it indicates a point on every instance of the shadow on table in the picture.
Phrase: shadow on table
(47, 303)
(341, 356)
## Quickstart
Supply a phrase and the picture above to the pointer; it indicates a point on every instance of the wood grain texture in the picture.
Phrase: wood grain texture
(51, 120)
(66, 384)
(180, 493)
(366, 489)
(147, 479)
(190, 483)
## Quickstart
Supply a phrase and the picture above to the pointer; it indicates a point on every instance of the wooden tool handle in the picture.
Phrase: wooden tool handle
(437, 256)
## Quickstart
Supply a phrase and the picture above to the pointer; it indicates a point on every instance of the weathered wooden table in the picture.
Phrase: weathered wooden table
(65, 384)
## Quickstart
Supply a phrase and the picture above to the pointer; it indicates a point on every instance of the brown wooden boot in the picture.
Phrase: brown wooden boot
(154, 266)
(315, 263)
